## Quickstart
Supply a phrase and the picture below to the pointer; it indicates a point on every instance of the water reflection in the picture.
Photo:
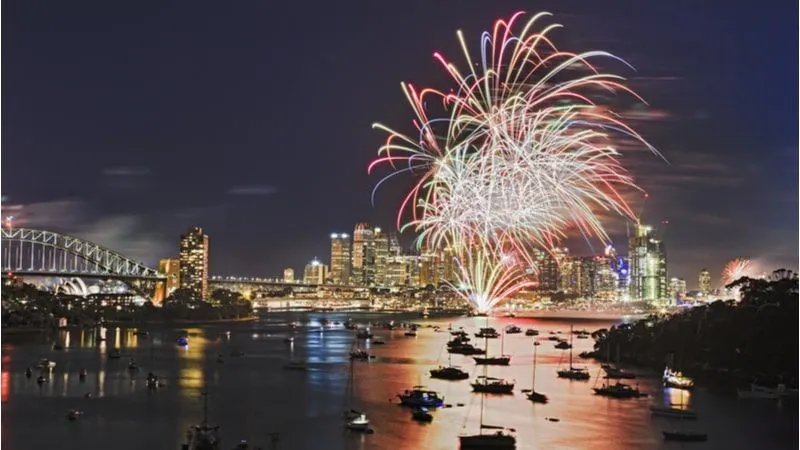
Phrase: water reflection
(5, 376)
(191, 377)
(677, 398)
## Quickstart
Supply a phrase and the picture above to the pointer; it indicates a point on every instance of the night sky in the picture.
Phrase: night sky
(127, 122)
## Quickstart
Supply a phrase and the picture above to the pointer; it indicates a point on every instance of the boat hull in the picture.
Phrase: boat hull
(493, 389)
(492, 361)
(684, 436)
(496, 441)
(674, 413)
(536, 397)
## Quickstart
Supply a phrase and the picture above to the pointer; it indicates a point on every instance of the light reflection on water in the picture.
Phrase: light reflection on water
(252, 395)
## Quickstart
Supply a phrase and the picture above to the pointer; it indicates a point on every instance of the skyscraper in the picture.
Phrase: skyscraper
(194, 263)
(677, 289)
(648, 266)
(704, 282)
(171, 267)
(380, 244)
(340, 258)
(315, 272)
(363, 256)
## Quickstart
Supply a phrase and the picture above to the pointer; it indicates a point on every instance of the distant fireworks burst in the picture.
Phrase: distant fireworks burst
(738, 268)
(522, 151)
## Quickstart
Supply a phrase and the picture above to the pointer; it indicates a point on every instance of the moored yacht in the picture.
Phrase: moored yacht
(419, 396)
(677, 380)
(492, 385)
(619, 390)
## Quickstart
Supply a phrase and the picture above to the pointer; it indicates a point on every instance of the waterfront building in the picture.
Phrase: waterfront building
(648, 267)
(340, 258)
(315, 272)
(704, 282)
(171, 268)
(194, 262)
(288, 275)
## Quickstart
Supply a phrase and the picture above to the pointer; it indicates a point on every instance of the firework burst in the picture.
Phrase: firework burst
(522, 149)
(737, 268)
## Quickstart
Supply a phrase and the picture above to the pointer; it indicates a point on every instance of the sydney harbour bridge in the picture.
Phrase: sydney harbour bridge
(44, 254)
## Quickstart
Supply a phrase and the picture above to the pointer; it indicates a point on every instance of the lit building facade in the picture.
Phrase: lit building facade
(315, 272)
(340, 258)
(648, 267)
(704, 282)
(363, 256)
(288, 275)
(380, 246)
(171, 268)
(677, 289)
(546, 271)
(194, 263)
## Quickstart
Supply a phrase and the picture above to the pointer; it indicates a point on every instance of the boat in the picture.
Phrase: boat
(289, 340)
(685, 436)
(563, 345)
(183, 341)
(614, 371)
(298, 366)
(132, 366)
(354, 419)
(583, 336)
(411, 333)
(501, 360)
(114, 353)
(74, 414)
(422, 415)
(41, 379)
(681, 434)
(360, 354)
(513, 329)
(491, 385)
(502, 438)
(677, 380)
(152, 381)
(203, 436)
(419, 396)
(46, 364)
(574, 373)
(531, 332)
(450, 372)
(487, 333)
(377, 341)
(673, 412)
(466, 349)
(363, 333)
(511, 314)
(535, 397)
(618, 390)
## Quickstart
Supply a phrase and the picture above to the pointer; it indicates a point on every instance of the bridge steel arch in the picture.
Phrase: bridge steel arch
(44, 252)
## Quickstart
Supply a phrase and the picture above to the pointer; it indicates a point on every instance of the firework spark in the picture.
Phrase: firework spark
(737, 268)
(522, 150)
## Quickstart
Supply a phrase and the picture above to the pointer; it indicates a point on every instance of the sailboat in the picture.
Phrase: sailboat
(354, 419)
(490, 385)
(450, 372)
(502, 438)
(684, 435)
(534, 396)
(203, 436)
(573, 373)
(502, 360)
(614, 371)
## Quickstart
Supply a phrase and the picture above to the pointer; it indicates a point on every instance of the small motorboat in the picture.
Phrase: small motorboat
(487, 333)
(41, 379)
(418, 396)
(152, 381)
(377, 341)
(361, 355)
(563, 345)
(685, 436)
(357, 421)
(74, 414)
(46, 364)
(531, 332)
(449, 373)
(422, 415)
(183, 341)
(513, 329)
(411, 333)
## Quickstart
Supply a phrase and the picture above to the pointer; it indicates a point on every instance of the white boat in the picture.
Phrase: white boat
(354, 420)
(45, 364)
(677, 380)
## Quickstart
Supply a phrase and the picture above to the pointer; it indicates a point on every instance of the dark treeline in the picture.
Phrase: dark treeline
(753, 339)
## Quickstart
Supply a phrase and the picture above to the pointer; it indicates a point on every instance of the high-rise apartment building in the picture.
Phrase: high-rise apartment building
(704, 282)
(288, 275)
(171, 267)
(340, 258)
(648, 267)
(194, 263)
(315, 272)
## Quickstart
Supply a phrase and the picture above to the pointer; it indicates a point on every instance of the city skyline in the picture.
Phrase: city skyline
(725, 193)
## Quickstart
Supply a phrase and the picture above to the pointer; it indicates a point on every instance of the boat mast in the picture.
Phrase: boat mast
(533, 382)
(205, 408)
(570, 347)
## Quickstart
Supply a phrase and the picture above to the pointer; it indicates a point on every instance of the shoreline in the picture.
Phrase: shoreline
(182, 322)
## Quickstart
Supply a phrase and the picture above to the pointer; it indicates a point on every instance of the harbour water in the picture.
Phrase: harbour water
(252, 396)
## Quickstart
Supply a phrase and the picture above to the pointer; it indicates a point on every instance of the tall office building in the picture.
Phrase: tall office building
(606, 280)
(429, 269)
(585, 276)
(315, 272)
(362, 268)
(399, 270)
(677, 289)
(171, 267)
(395, 249)
(194, 263)
(380, 245)
(704, 282)
(448, 266)
(648, 267)
(546, 271)
(340, 258)
(288, 275)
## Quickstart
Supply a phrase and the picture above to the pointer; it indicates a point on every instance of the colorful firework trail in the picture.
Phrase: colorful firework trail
(521, 151)
(737, 268)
